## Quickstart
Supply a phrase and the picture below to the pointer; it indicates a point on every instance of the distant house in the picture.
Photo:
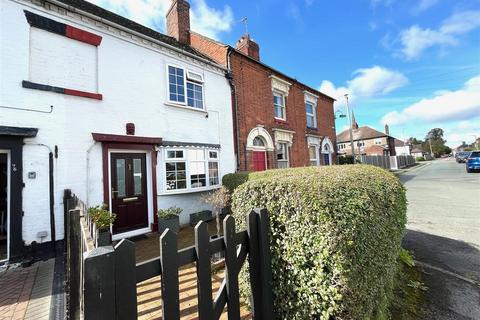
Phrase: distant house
(366, 140)
(402, 148)
(417, 151)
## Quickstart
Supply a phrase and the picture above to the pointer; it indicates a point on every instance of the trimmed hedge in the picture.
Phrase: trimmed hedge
(335, 238)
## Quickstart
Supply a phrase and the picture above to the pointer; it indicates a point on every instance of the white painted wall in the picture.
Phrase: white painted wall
(402, 151)
(132, 77)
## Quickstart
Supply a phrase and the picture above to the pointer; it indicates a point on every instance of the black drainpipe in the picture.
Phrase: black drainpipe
(235, 106)
(52, 199)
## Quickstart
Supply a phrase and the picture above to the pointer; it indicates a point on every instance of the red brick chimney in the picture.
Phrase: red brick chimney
(249, 47)
(178, 21)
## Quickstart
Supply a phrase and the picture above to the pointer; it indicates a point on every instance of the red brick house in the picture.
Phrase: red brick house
(279, 121)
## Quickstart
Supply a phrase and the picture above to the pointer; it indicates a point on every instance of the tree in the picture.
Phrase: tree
(413, 141)
(434, 138)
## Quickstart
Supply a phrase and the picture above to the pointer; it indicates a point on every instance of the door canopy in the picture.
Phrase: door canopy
(256, 135)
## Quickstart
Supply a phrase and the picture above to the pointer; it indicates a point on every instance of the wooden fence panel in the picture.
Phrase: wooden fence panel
(125, 282)
(169, 279)
(265, 263)
(100, 284)
(204, 271)
(231, 273)
(75, 257)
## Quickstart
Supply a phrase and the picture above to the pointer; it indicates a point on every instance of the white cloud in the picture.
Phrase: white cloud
(415, 40)
(447, 106)
(423, 5)
(203, 18)
(375, 81)
(366, 83)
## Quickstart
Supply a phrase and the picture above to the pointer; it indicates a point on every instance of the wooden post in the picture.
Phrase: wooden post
(204, 271)
(231, 269)
(125, 280)
(99, 287)
(169, 278)
(265, 264)
(254, 265)
(75, 256)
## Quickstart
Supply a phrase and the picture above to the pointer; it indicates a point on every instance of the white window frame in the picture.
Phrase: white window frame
(187, 161)
(282, 95)
(287, 158)
(314, 115)
(188, 77)
(317, 154)
(378, 141)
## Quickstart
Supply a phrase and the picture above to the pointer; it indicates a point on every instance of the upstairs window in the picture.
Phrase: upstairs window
(176, 84)
(279, 105)
(194, 90)
(311, 115)
(185, 87)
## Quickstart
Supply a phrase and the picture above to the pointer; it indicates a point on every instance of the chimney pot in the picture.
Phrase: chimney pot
(178, 21)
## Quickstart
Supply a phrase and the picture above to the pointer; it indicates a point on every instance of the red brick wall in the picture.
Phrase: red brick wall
(178, 21)
(209, 47)
(255, 106)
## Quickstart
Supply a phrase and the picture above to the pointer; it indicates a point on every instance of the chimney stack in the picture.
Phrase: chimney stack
(178, 21)
(247, 46)
(387, 130)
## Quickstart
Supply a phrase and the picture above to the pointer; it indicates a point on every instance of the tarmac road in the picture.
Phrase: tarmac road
(443, 231)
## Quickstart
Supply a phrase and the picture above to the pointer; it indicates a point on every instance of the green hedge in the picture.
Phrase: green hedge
(335, 238)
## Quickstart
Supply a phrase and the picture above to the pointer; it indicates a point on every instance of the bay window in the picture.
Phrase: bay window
(191, 169)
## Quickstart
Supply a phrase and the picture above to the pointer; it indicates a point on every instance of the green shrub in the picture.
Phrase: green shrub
(169, 212)
(335, 238)
(232, 180)
(418, 159)
(347, 159)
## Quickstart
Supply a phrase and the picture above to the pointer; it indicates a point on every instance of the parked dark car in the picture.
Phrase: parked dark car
(473, 161)
(461, 157)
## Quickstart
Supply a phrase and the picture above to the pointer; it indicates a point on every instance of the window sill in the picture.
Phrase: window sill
(279, 120)
(186, 191)
(185, 107)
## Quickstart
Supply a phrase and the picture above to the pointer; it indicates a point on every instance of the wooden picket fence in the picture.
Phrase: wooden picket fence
(102, 279)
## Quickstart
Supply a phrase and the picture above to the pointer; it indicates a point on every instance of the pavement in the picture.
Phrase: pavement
(443, 232)
(26, 293)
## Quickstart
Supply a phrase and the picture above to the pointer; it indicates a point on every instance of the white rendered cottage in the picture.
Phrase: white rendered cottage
(116, 112)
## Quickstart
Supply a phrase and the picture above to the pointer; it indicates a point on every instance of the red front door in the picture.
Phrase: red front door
(129, 191)
(259, 161)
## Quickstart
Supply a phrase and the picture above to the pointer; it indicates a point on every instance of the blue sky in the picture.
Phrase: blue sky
(412, 64)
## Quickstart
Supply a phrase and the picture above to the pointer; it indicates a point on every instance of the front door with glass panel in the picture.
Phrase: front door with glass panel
(129, 191)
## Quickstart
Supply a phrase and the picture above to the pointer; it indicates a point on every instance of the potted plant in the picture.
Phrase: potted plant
(204, 215)
(169, 218)
(103, 219)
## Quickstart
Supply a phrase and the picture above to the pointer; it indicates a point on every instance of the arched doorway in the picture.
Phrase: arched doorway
(258, 143)
(327, 151)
